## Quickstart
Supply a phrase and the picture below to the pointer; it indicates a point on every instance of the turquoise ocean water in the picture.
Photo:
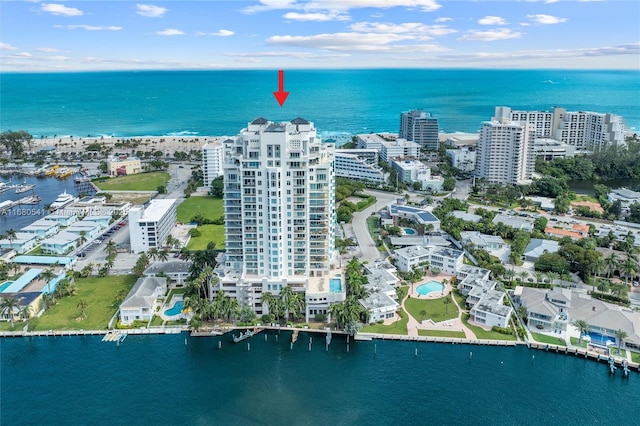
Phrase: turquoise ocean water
(158, 380)
(340, 102)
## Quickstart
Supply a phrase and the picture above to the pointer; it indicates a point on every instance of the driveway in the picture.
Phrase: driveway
(367, 247)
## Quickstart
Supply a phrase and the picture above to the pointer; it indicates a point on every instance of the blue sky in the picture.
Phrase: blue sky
(270, 34)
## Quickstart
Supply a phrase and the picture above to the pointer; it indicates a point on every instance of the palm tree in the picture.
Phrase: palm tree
(120, 295)
(629, 268)
(25, 312)
(582, 326)
(267, 299)
(153, 253)
(621, 335)
(286, 295)
(87, 270)
(11, 235)
(83, 238)
(539, 277)
(8, 306)
(447, 302)
(523, 275)
(598, 266)
(423, 314)
(111, 248)
(509, 274)
(611, 263)
(47, 275)
(163, 255)
(82, 305)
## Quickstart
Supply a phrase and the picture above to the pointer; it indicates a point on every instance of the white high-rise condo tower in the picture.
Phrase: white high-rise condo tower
(279, 209)
(419, 127)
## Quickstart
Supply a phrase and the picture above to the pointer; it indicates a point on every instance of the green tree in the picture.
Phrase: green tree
(14, 141)
(82, 305)
(217, 187)
(449, 184)
(620, 336)
(141, 264)
(8, 308)
(111, 248)
(582, 326)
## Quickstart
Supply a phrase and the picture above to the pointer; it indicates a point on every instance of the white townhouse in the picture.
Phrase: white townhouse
(150, 226)
(142, 301)
(446, 259)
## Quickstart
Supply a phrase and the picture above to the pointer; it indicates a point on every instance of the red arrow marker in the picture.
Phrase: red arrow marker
(281, 95)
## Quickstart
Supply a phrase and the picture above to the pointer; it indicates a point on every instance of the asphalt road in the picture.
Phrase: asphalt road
(367, 247)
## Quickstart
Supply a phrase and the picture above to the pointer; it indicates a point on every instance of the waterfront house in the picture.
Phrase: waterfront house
(380, 306)
(22, 243)
(143, 299)
(62, 243)
(176, 270)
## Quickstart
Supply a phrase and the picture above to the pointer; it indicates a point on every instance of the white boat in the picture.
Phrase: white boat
(62, 200)
(5, 187)
(25, 187)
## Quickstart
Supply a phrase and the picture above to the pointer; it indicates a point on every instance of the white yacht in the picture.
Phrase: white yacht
(62, 200)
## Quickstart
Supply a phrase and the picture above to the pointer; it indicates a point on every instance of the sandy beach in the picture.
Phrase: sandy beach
(166, 144)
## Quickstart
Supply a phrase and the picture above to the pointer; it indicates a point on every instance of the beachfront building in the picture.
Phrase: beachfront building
(446, 259)
(279, 208)
(515, 222)
(420, 127)
(22, 242)
(123, 165)
(143, 299)
(399, 148)
(483, 241)
(373, 140)
(63, 242)
(421, 216)
(463, 159)
(584, 130)
(460, 140)
(537, 247)
(625, 196)
(549, 149)
(410, 171)
(360, 164)
(150, 226)
(212, 159)
(505, 152)
(42, 228)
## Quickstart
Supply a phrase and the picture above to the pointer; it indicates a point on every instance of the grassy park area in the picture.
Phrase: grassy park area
(138, 182)
(442, 333)
(398, 327)
(433, 309)
(543, 338)
(99, 293)
(209, 207)
(213, 233)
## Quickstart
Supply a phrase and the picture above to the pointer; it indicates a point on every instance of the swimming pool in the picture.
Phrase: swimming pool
(430, 287)
(335, 285)
(409, 231)
(176, 309)
(4, 285)
(600, 339)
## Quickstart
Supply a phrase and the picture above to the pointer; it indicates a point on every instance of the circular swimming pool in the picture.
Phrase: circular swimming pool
(430, 287)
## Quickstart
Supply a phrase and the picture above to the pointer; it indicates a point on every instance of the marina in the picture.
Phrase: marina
(24, 188)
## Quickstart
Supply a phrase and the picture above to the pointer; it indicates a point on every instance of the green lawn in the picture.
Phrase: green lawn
(139, 182)
(210, 207)
(99, 293)
(435, 309)
(635, 357)
(36, 251)
(213, 233)
(459, 298)
(484, 334)
(6, 326)
(156, 321)
(583, 197)
(174, 291)
(543, 338)
(442, 333)
(398, 327)
(574, 342)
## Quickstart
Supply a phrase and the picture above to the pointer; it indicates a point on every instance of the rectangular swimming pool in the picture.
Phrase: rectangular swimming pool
(335, 285)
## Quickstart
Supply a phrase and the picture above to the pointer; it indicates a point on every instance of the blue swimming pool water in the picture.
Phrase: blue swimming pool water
(335, 285)
(4, 285)
(409, 231)
(430, 287)
(175, 310)
(599, 339)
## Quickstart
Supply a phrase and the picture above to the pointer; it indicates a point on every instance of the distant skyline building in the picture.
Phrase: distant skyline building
(361, 164)
(585, 130)
(505, 151)
(212, 159)
(420, 127)
(279, 209)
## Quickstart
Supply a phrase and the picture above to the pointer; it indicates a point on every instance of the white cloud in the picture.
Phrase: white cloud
(419, 30)
(6, 46)
(286, 54)
(340, 5)
(25, 55)
(170, 32)
(491, 35)
(546, 19)
(316, 17)
(492, 20)
(90, 27)
(47, 49)
(356, 42)
(60, 9)
(56, 58)
(150, 10)
(219, 33)
(443, 19)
